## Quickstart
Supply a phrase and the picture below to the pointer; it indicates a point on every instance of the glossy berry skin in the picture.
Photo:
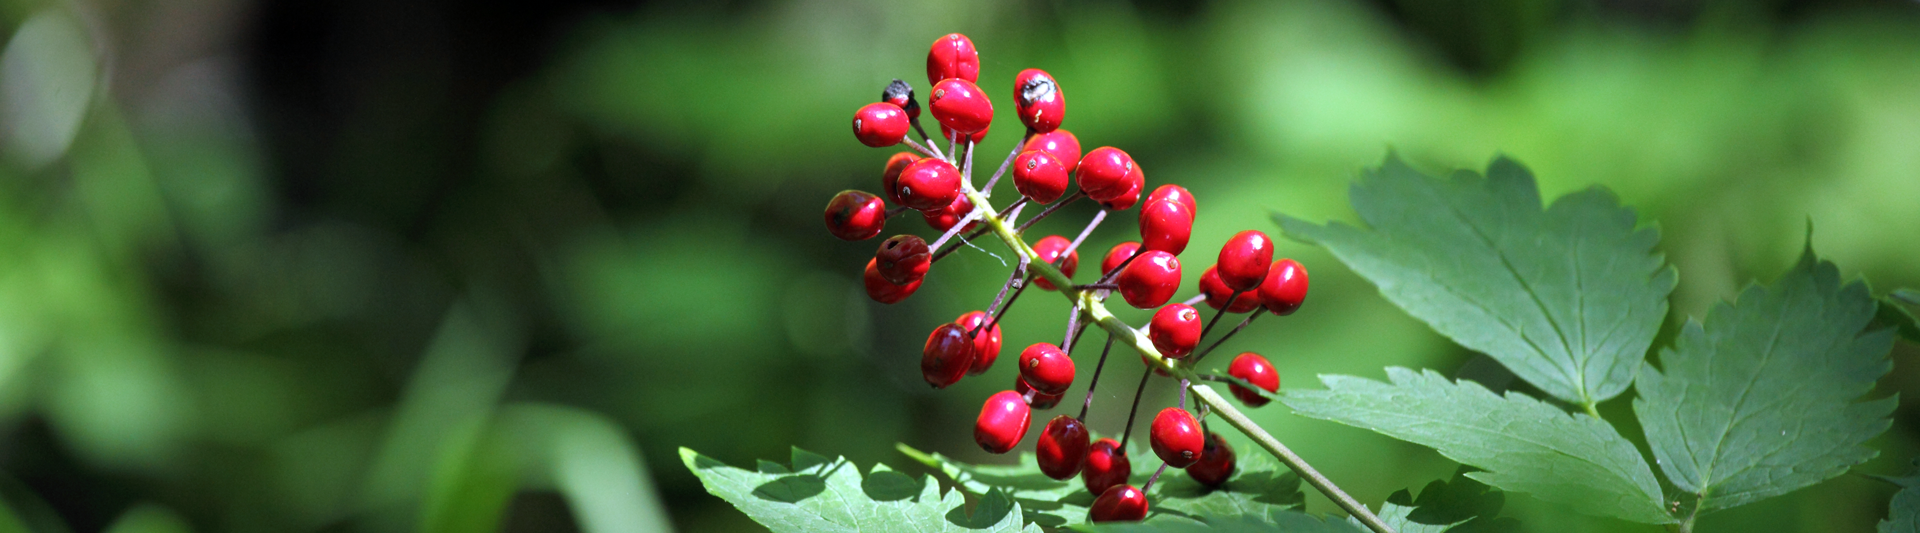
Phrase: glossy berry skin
(1106, 173)
(1107, 466)
(903, 259)
(1116, 255)
(883, 291)
(1038, 101)
(1062, 448)
(1126, 199)
(1049, 249)
(1061, 143)
(1120, 503)
(1216, 462)
(1150, 280)
(1285, 287)
(1256, 370)
(1244, 260)
(1036, 399)
(976, 137)
(928, 184)
(1218, 293)
(1039, 176)
(947, 356)
(960, 105)
(986, 341)
(855, 215)
(1175, 193)
(1175, 330)
(900, 94)
(1045, 368)
(953, 56)
(1165, 226)
(1176, 437)
(1002, 423)
(880, 124)
(891, 176)
(944, 218)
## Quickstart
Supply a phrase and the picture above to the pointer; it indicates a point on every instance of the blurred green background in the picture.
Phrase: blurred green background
(464, 266)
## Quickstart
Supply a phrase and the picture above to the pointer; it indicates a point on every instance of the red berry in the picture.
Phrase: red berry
(947, 356)
(1062, 447)
(883, 291)
(1217, 294)
(1244, 260)
(928, 184)
(1061, 144)
(1175, 330)
(960, 105)
(986, 341)
(1002, 423)
(1285, 287)
(953, 56)
(1117, 255)
(855, 215)
(1049, 249)
(1046, 368)
(977, 137)
(1107, 466)
(880, 124)
(1038, 101)
(903, 259)
(900, 94)
(1165, 226)
(895, 164)
(1107, 172)
(1176, 437)
(1039, 176)
(944, 218)
(1215, 464)
(1125, 199)
(1175, 193)
(1149, 281)
(1036, 399)
(1256, 370)
(1120, 503)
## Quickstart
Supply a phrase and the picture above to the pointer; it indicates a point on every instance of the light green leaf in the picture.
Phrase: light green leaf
(1760, 400)
(47, 76)
(1569, 298)
(1524, 444)
(821, 494)
(1903, 514)
(1272, 520)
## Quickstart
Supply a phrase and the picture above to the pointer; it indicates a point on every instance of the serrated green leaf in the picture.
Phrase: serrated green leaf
(1524, 444)
(1272, 520)
(1760, 400)
(821, 494)
(1460, 505)
(1569, 298)
(1903, 513)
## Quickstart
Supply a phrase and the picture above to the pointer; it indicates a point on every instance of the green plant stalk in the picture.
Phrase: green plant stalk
(1137, 339)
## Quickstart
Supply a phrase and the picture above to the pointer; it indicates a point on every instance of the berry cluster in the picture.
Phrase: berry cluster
(1245, 278)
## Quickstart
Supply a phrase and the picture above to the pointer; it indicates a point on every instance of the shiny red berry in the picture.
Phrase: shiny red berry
(1107, 466)
(1120, 503)
(891, 176)
(1036, 399)
(1175, 330)
(1256, 370)
(944, 218)
(900, 94)
(1061, 143)
(1176, 437)
(960, 105)
(976, 137)
(1037, 99)
(880, 124)
(1218, 293)
(1285, 287)
(1150, 280)
(953, 56)
(1126, 198)
(1216, 462)
(1046, 368)
(1002, 423)
(903, 259)
(986, 341)
(1106, 172)
(947, 356)
(1117, 255)
(928, 184)
(1040, 176)
(1050, 248)
(1165, 226)
(855, 215)
(883, 291)
(1175, 193)
(1062, 447)
(1244, 260)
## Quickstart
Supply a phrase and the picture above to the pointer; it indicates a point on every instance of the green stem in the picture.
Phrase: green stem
(1592, 410)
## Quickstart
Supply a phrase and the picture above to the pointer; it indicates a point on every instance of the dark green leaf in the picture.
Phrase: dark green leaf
(1460, 505)
(1892, 315)
(820, 494)
(1272, 520)
(1903, 513)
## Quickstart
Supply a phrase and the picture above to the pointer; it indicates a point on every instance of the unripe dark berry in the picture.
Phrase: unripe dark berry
(880, 124)
(1062, 447)
(1150, 280)
(1040, 176)
(1285, 287)
(1126, 198)
(1038, 101)
(1116, 255)
(944, 218)
(903, 259)
(1216, 462)
(1036, 399)
(986, 340)
(1176, 437)
(1120, 503)
(855, 215)
(1002, 423)
(1165, 226)
(960, 105)
(1061, 144)
(1218, 293)
(947, 356)
(1046, 368)
(891, 176)
(1177, 194)
(900, 94)
(1175, 330)
(883, 291)
(1107, 466)
(928, 184)
(1050, 248)
(1244, 260)
(1106, 173)
(975, 137)
(953, 56)
(1256, 370)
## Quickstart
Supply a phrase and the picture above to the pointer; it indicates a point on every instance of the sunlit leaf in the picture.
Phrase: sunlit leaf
(815, 493)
